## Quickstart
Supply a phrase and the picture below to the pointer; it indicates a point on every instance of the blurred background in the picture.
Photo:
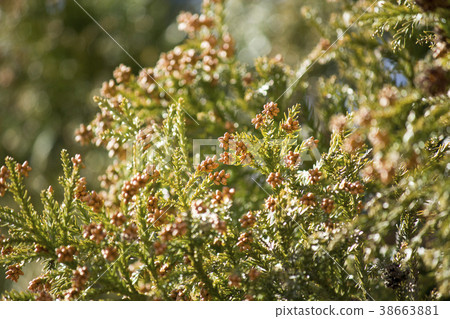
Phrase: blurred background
(53, 59)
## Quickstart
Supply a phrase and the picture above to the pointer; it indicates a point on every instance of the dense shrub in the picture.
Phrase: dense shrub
(53, 57)
(342, 199)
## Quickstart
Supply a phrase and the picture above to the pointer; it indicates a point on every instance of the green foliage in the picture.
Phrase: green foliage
(53, 56)
(359, 214)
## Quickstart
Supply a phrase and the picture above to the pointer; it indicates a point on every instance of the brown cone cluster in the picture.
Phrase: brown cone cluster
(327, 205)
(225, 140)
(308, 199)
(77, 161)
(14, 272)
(6, 250)
(234, 280)
(219, 197)
(248, 220)
(290, 126)
(353, 188)
(94, 232)
(208, 165)
(138, 181)
(271, 110)
(274, 179)
(179, 295)
(122, 74)
(219, 177)
(176, 229)
(110, 253)
(226, 158)
(258, 121)
(65, 254)
(92, 199)
(39, 284)
(118, 219)
(314, 175)
(191, 23)
(245, 240)
(292, 159)
(271, 204)
(40, 249)
(79, 279)
(157, 217)
(44, 296)
(108, 89)
(23, 169)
